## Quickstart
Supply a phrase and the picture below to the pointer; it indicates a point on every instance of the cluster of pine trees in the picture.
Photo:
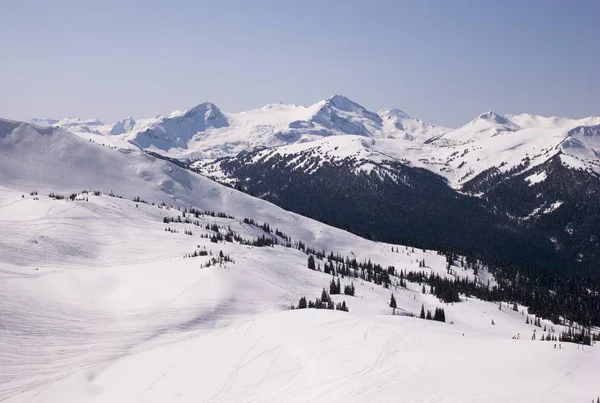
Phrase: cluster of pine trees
(220, 260)
(582, 336)
(55, 196)
(324, 302)
(438, 315)
(198, 253)
(368, 271)
(335, 287)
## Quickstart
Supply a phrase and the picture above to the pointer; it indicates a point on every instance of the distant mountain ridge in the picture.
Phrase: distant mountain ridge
(205, 132)
(491, 140)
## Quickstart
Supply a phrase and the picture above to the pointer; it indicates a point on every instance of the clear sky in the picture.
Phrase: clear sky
(443, 61)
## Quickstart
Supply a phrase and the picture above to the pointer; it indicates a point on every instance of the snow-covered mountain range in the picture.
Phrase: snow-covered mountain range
(489, 140)
(205, 131)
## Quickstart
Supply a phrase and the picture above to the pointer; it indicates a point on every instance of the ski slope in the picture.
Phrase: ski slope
(98, 302)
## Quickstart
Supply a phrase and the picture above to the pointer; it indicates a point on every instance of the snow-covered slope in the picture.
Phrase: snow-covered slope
(72, 124)
(49, 160)
(484, 126)
(122, 126)
(398, 124)
(99, 304)
(177, 131)
(530, 121)
(581, 148)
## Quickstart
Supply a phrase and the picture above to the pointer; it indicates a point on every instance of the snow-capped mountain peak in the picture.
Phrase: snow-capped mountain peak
(399, 124)
(586, 131)
(342, 103)
(582, 147)
(394, 112)
(208, 114)
(486, 125)
(122, 126)
(344, 116)
(176, 130)
(497, 120)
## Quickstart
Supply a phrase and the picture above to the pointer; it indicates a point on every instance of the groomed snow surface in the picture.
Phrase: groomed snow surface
(97, 304)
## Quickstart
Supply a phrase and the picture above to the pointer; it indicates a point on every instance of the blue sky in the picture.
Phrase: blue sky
(442, 61)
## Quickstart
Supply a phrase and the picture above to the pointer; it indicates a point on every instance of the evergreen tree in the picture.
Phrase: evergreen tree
(422, 315)
(302, 303)
(428, 317)
(393, 304)
(324, 296)
(439, 315)
(311, 262)
(342, 306)
(332, 288)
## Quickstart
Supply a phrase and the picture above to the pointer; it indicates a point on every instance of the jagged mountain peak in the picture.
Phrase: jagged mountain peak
(206, 115)
(489, 115)
(583, 143)
(344, 116)
(341, 102)
(394, 112)
(122, 126)
(203, 107)
(496, 119)
(176, 130)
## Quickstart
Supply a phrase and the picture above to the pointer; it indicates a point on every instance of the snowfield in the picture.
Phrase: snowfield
(99, 303)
